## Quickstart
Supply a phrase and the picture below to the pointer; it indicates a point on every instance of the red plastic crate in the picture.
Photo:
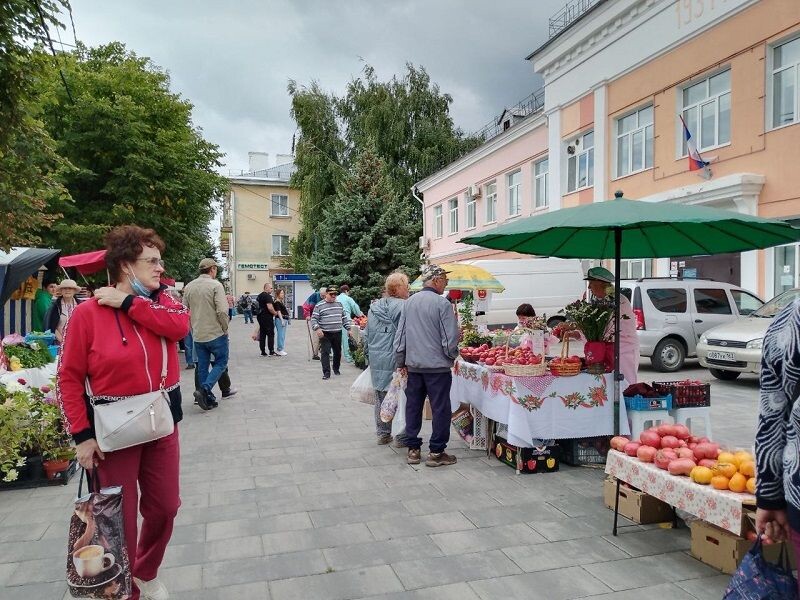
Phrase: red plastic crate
(684, 395)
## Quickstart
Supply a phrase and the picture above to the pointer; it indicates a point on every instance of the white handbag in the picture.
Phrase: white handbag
(133, 420)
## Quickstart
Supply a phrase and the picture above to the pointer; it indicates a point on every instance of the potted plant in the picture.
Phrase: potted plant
(14, 410)
(592, 319)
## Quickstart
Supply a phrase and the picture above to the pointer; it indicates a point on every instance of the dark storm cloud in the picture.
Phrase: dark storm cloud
(233, 60)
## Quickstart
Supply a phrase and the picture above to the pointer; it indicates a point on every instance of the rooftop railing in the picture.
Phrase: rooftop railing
(573, 11)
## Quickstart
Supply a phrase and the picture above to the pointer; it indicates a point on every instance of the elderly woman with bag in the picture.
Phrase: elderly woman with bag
(120, 353)
(382, 320)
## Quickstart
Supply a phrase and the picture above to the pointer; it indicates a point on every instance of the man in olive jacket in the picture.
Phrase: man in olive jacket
(427, 345)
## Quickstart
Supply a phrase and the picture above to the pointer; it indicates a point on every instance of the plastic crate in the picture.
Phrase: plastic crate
(480, 433)
(46, 338)
(685, 396)
(585, 451)
(641, 403)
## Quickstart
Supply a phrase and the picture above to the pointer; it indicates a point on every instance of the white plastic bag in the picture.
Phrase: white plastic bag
(395, 392)
(362, 389)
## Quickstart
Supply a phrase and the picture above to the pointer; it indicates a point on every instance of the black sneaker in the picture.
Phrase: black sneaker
(201, 399)
(336, 373)
(190, 367)
(326, 376)
(263, 354)
(315, 357)
(230, 392)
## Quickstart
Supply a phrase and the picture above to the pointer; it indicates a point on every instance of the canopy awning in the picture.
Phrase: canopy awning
(18, 264)
(86, 263)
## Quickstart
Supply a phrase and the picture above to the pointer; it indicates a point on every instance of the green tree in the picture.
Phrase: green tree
(367, 232)
(29, 164)
(138, 157)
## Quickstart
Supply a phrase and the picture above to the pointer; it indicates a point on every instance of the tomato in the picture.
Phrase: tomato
(489, 361)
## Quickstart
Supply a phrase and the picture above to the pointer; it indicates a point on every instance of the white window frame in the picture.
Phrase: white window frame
(282, 251)
(585, 154)
(514, 194)
(273, 198)
(490, 190)
(646, 265)
(772, 71)
(438, 222)
(696, 126)
(641, 129)
(541, 201)
(472, 210)
(452, 216)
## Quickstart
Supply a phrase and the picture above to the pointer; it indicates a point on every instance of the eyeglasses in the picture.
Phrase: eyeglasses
(153, 262)
(334, 294)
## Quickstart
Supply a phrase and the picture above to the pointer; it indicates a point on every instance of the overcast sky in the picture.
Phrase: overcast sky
(232, 60)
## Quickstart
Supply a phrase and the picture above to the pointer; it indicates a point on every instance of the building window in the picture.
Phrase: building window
(785, 75)
(540, 170)
(491, 202)
(707, 111)
(635, 269)
(635, 142)
(453, 212)
(580, 164)
(472, 212)
(280, 245)
(280, 206)
(438, 222)
(514, 182)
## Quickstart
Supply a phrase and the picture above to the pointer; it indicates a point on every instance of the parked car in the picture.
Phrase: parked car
(735, 348)
(672, 314)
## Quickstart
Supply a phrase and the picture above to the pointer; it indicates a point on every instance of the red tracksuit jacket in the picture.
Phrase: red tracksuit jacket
(119, 350)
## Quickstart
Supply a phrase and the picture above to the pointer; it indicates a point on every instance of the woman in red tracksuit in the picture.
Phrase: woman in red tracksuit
(114, 340)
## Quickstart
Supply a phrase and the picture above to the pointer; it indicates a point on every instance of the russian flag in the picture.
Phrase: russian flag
(696, 162)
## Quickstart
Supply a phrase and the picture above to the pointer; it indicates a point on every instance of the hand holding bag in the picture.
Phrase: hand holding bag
(757, 579)
(133, 420)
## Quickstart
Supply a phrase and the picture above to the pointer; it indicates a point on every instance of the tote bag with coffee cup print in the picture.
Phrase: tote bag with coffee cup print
(98, 565)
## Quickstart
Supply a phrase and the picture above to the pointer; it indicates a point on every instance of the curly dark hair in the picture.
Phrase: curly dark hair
(525, 310)
(125, 244)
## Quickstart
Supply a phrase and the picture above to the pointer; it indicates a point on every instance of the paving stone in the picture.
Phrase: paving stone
(554, 555)
(653, 541)
(356, 514)
(42, 570)
(243, 527)
(707, 588)
(397, 527)
(190, 554)
(39, 591)
(649, 570)
(569, 529)
(665, 590)
(20, 551)
(494, 514)
(489, 538)
(246, 591)
(189, 534)
(338, 585)
(307, 539)
(557, 584)
(373, 554)
(5, 572)
(229, 512)
(456, 591)
(247, 570)
(181, 579)
(430, 572)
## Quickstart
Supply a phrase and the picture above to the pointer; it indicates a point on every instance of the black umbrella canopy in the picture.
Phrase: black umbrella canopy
(19, 264)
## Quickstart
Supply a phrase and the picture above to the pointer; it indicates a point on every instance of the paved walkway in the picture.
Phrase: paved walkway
(286, 496)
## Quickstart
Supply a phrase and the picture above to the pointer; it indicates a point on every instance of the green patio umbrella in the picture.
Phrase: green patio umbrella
(622, 228)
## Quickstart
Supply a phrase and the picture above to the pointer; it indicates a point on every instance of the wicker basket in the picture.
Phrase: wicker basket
(495, 369)
(565, 369)
(526, 370)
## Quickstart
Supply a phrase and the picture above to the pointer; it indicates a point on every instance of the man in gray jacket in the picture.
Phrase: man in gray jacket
(426, 344)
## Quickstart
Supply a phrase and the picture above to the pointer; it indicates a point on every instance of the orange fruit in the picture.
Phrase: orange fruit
(738, 483)
(743, 456)
(725, 469)
(702, 475)
(751, 485)
(720, 482)
(728, 457)
(747, 468)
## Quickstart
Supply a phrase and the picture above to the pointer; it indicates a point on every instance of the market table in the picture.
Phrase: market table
(33, 377)
(718, 507)
(540, 408)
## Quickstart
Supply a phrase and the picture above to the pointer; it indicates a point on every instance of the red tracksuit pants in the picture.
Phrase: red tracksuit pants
(148, 474)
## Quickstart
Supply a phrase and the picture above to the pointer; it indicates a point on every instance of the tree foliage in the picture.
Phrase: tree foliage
(367, 232)
(137, 156)
(29, 165)
(405, 122)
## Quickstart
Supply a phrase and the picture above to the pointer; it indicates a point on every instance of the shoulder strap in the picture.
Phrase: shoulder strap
(162, 381)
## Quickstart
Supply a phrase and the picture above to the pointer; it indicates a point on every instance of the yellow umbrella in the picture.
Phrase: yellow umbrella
(465, 277)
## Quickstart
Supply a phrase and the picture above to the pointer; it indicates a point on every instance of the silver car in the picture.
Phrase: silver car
(735, 348)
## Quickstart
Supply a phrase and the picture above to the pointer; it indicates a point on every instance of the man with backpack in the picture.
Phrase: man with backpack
(245, 305)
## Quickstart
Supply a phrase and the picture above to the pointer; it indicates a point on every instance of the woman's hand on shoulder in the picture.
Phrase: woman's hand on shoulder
(110, 296)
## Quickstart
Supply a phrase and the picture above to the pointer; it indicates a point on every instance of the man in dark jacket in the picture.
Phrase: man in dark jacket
(427, 345)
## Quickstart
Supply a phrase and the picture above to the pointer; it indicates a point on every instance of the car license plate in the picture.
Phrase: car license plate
(729, 356)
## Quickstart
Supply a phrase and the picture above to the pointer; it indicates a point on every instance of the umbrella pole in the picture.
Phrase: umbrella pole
(617, 292)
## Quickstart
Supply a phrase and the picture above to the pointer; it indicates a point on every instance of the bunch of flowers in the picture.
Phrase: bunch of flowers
(591, 318)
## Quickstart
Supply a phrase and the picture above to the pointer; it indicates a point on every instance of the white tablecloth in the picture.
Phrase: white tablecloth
(541, 408)
(33, 377)
(718, 507)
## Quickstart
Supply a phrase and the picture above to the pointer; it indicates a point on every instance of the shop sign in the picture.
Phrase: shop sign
(481, 294)
(242, 266)
(225, 245)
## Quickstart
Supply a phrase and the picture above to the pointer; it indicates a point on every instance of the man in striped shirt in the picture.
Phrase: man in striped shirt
(327, 321)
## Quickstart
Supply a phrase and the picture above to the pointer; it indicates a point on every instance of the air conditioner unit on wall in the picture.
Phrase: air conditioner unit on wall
(251, 276)
(475, 190)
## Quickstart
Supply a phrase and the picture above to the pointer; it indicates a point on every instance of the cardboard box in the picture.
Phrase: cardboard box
(544, 459)
(724, 550)
(636, 505)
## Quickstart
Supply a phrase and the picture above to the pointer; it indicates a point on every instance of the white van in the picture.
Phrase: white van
(548, 284)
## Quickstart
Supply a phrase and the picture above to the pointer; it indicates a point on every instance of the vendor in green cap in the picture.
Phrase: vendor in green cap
(601, 285)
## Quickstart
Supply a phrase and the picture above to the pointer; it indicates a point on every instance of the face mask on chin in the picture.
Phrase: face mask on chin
(138, 287)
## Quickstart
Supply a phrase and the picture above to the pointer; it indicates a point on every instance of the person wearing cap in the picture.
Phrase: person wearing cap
(327, 321)
(205, 299)
(352, 309)
(426, 344)
(601, 285)
(308, 308)
(60, 310)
